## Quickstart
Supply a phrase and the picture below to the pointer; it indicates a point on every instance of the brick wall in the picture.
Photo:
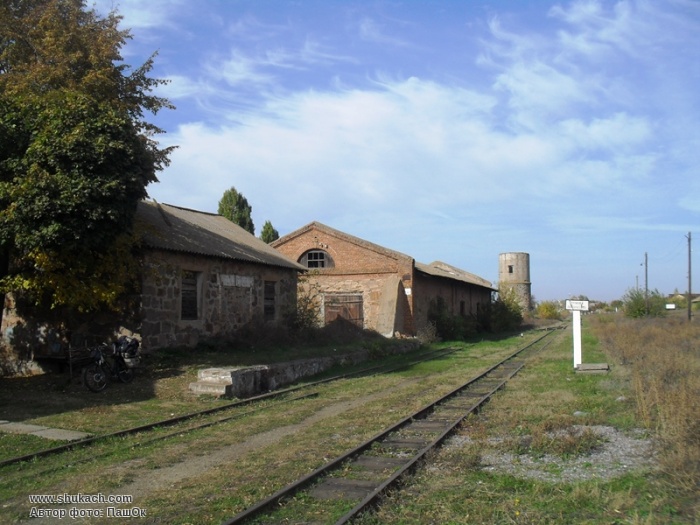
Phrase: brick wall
(454, 292)
(380, 276)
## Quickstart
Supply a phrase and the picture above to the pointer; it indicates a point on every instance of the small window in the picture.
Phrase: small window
(510, 268)
(189, 297)
(316, 259)
(269, 303)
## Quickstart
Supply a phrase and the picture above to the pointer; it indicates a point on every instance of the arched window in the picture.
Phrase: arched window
(316, 259)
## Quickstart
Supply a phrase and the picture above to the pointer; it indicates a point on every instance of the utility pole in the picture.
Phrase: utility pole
(690, 282)
(646, 282)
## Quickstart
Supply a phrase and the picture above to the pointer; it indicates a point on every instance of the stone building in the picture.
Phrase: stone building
(203, 276)
(375, 287)
(207, 276)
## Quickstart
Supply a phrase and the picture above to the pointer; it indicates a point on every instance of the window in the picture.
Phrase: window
(189, 296)
(316, 259)
(269, 303)
(510, 268)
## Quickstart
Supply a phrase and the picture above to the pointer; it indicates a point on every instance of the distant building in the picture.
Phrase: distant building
(377, 288)
(514, 274)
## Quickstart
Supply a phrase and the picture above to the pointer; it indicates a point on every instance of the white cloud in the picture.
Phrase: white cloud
(138, 14)
(373, 31)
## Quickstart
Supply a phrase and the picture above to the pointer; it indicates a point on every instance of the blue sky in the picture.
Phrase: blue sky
(446, 130)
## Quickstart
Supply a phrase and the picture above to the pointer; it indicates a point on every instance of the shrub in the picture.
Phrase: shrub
(448, 326)
(638, 303)
(504, 314)
(548, 310)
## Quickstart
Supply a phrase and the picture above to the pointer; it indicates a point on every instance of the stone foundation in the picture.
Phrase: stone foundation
(242, 382)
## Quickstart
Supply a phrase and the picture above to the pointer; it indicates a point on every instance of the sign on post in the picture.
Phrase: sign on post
(577, 307)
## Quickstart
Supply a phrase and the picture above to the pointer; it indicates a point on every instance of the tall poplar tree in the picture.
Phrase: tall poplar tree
(268, 233)
(234, 206)
(76, 152)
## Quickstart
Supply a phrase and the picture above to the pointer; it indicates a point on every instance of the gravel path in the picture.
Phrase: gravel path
(619, 453)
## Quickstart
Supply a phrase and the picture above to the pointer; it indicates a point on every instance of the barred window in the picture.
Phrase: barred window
(316, 259)
(270, 296)
(189, 296)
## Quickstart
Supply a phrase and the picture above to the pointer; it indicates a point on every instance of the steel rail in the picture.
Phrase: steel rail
(192, 415)
(290, 490)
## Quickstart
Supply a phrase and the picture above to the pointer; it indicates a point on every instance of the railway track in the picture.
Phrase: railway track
(213, 412)
(356, 480)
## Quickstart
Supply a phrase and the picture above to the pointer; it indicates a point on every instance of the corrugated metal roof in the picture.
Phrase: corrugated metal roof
(441, 269)
(176, 229)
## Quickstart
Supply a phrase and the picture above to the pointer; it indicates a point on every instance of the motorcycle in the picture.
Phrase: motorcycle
(112, 362)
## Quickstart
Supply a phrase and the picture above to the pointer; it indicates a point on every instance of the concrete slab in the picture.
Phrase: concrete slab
(41, 431)
(593, 368)
(21, 428)
(60, 434)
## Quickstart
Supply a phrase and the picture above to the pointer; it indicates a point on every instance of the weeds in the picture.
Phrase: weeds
(664, 363)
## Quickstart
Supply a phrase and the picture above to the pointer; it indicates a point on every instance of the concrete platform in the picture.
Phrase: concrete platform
(593, 368)
(41, 431)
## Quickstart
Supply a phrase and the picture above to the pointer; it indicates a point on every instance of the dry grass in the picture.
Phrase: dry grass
(663, 357)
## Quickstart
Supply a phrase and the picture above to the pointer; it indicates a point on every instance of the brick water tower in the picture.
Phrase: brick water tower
(514, 274)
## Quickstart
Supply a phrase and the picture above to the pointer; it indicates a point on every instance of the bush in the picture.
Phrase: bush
(307, 314)
(450, 327)
(639, 304)
(548, 310)
(503, 315)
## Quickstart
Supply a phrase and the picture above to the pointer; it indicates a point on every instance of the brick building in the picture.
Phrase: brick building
(375, 287)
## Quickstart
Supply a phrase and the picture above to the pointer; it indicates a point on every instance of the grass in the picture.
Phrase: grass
(544, 411)
(214, 494)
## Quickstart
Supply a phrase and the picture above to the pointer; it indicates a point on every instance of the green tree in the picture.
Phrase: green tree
(234, 206)
(637, 303)
(268, 233)
(76, 152)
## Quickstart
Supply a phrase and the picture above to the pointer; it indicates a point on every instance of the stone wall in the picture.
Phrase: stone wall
(230, 295)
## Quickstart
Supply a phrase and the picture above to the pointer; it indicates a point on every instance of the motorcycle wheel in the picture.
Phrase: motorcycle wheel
(94, 378)
(125, 374)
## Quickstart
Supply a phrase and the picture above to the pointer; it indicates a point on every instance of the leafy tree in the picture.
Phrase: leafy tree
(234, 206)
(268, 233)
(76, 153)
(638, 304)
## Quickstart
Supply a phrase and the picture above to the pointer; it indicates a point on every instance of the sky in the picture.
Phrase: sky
(450, 130)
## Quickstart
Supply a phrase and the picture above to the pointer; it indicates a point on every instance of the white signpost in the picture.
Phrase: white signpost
(577, 307)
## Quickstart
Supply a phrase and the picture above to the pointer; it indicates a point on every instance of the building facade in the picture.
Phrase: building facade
(377, 288)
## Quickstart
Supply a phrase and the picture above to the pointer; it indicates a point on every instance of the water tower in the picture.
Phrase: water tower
(514, 274)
